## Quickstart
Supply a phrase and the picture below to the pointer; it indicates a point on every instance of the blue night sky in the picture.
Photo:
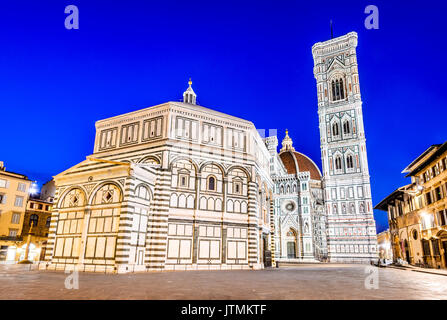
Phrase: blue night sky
(251, 59)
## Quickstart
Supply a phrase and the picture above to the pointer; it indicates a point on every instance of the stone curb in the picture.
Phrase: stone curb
(415, 270)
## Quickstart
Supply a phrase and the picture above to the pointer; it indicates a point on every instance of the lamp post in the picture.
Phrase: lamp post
(28, 242)
(32, 191)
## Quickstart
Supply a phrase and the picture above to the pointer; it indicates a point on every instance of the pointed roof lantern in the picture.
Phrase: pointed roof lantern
(189, 95)
(287, 143)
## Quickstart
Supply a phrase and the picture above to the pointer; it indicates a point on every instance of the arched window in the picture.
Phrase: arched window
(237, 187)
(33, 220)
(349, 162)
(333, 90)
(211, 183)
(47, 224)
(335, 130)
(338, 91)
(338, 163)
(346, 127)
(143, 193)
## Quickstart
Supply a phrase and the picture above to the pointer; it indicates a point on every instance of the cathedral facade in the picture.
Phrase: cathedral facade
(178, 186)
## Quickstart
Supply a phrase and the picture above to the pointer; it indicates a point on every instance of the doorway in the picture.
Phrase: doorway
(407, 252)
(291, 250)
(267, 257)
(444, 246)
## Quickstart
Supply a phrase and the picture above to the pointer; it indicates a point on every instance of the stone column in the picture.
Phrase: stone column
(157, 226)
(253, 241)
(272, 233)
(84, 233)
(123, 240)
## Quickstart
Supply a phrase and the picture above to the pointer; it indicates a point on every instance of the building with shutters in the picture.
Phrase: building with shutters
(14, 193)
(417, 212)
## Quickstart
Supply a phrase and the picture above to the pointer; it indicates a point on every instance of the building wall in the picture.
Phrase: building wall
(434, 213)
(384, 245)
(417, 212)
(14, 195)
(182, 223)
(39, 232)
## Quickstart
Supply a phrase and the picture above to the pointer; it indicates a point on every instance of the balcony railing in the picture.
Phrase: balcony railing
(8, 238)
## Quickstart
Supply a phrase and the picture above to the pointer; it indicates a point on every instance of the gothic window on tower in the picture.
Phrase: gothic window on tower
(338, 163)
(349, 162)
(346, 128)
(338, 90)
(335, 129)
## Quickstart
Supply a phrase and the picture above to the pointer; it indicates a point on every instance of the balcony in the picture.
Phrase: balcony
(8, 238)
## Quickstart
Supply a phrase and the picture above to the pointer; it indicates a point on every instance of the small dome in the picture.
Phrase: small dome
(297, 162)
(189, 96)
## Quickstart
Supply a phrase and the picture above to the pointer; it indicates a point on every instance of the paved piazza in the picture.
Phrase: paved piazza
(325, 281)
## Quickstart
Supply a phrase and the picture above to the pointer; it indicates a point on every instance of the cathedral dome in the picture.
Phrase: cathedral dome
(297, 162)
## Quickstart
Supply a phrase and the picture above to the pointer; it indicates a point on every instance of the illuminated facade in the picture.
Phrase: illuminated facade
(14, 191)
(384, 245)
(300, 219)
(178, 186)
(417, 212)
(172, 187)
(38, 214)
(351, 230)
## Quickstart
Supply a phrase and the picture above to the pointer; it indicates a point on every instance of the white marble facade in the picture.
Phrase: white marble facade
(178, 186)
(351, 230)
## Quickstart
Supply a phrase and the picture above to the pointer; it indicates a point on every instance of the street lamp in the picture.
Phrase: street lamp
(33, 188)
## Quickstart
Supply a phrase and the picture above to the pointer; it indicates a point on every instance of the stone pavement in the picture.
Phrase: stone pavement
(324, 281)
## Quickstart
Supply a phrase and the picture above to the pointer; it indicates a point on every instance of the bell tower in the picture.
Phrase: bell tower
(350, 222)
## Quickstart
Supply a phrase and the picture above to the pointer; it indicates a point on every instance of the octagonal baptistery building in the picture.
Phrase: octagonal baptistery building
(300, 218)
(175, 186)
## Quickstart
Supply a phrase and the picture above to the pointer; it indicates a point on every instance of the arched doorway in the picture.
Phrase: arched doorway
(443, 241)
(407, 251)
(291, 244)
(267, 254)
